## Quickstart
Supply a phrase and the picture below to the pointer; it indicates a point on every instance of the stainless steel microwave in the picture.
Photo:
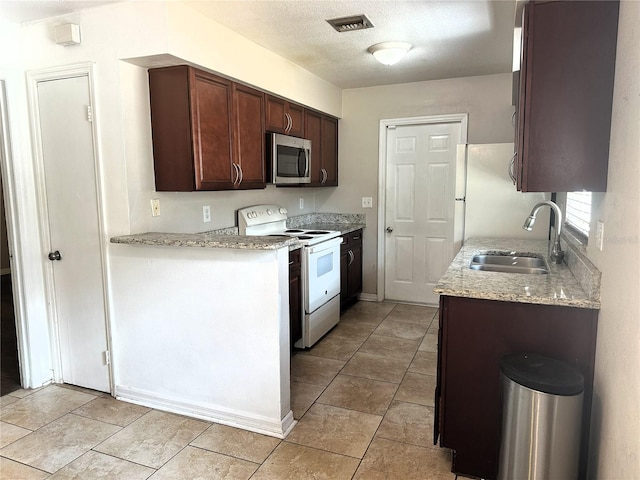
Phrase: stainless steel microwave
(289, 159)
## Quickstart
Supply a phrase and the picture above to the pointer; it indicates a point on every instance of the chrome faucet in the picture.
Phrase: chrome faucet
(556, 254)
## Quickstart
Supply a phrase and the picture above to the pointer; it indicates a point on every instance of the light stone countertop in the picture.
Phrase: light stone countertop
(208, 240)
(559, 287)
(229, 238)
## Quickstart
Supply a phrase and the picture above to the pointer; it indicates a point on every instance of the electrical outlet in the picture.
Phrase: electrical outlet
(301, 203)
(155, 207)
(206, 213)
(367, 202)
(600, 235)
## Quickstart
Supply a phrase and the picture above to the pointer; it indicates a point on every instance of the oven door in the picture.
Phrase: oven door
(321, 271)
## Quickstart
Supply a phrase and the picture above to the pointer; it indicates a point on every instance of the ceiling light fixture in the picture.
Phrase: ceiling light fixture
(389, 53)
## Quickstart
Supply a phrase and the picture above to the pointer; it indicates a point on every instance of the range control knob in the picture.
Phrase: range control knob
(269, 212)
(283, 210)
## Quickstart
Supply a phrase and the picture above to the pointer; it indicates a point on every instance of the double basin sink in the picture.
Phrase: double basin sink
(510, 262)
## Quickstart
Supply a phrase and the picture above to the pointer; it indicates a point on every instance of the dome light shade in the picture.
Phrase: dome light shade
(389, 53)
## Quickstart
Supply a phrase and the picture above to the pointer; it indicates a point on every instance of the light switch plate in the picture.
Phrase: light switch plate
(206, 213)
(367, 202)
(155, 207)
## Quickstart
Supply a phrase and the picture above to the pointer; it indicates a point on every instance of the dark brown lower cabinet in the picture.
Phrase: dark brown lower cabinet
(295, 297)
(350, 267)
(473, 336)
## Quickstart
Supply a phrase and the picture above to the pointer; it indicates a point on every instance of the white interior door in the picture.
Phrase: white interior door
(67, 147)
(419, 209)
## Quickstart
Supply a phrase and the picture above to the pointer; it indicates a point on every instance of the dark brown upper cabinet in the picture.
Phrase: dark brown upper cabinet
(322, 130)
(565, 95)
(208, 132)
(284, 117)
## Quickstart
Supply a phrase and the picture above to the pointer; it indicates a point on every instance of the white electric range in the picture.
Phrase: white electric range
(320, 266)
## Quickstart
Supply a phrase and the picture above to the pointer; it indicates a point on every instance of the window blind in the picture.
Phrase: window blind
(578, 211)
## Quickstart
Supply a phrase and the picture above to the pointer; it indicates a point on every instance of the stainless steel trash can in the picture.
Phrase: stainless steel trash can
(542, 415)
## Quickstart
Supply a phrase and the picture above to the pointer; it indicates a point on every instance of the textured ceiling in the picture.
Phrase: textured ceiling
(450, 38)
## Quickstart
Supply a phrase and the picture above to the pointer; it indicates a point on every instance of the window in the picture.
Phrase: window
(578, 211)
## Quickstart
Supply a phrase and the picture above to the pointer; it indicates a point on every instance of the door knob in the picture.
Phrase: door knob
(389, 229)
(55, 256)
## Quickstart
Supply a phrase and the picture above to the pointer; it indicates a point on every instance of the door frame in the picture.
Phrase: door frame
(33, 78)
(461, 118)
(13, 235)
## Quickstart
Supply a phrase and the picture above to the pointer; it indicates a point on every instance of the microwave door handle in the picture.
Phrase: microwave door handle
(303, 163)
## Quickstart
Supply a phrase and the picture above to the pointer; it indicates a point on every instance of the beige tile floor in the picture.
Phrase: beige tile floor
(363, 398)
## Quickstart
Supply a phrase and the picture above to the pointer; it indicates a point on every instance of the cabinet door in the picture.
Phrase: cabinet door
(344, 277)
(355, 270)
(296, 115)
(211, 131)
(284, 117)
(329, 151)
(275, 118)
(566, 92)
(169, 94)
(313, 132)
(248, 110)
(295, 297)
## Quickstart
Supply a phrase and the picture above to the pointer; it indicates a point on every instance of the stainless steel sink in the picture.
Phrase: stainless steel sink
(509, 262)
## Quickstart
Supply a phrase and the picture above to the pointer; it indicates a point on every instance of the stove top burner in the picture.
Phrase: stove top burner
(293, 230)
(304, 237)
(316, 232)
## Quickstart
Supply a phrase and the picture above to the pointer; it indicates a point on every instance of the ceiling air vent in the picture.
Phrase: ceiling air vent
(349, 24)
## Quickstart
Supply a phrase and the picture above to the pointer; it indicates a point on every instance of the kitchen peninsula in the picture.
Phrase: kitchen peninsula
(203, 330)
(201, 323)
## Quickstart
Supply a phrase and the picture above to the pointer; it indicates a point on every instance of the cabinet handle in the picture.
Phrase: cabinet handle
(356, 238)
(241, 174)
(512, 168)
(287, 117)
(351, 257)
(235, 168)
(324, 175)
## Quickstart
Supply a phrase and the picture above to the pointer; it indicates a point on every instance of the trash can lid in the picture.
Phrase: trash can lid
(542, 373)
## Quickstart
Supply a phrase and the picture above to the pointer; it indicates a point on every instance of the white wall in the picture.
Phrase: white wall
(615, 434)
(487, 100)
(110, 35)
(201, 337)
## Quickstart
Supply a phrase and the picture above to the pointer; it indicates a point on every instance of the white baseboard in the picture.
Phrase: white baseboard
(258, 424)
(368, 297)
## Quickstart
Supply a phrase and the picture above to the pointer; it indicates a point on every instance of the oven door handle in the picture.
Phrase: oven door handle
(328, 245)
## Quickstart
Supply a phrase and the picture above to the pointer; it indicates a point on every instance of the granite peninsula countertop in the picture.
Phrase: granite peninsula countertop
(208, 240)
(559, 287)
(229, 237)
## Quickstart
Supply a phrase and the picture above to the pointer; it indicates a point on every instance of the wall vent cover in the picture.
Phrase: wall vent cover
(350, 24)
